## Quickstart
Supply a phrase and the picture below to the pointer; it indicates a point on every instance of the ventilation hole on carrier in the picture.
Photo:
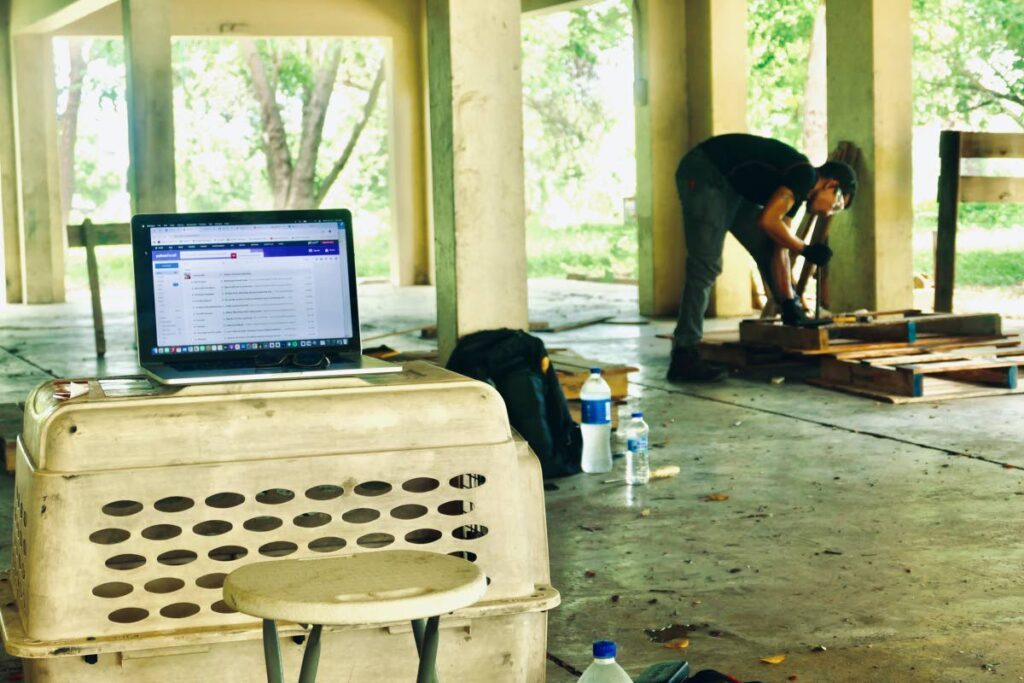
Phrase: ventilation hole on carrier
(454, 508)
(161, 532)
(408, 511)
(488, 580)
(465, 555)
(125, 562)
(274, 496)
(421, 485)
(375, 540)
(114, 589)
(361, 515)
(225, 500)
(372, 488)
(221, 607)
(179, 610)
(166, 585)
(122, 508)
(109, 536)
(324, 492)
(262, 523)
(228, 553)
(422, 536)
(128, 615)
(211, 581)
(278, 549)
(176, 558)
(213, 527)
(467, 481)
(311, 520)
(174, 504)
(328, 544)
(468, 532)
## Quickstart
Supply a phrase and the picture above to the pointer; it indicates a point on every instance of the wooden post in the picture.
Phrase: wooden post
(949, 207)
(476, 127)
(42, 234)
(88, 238)
(147, 45)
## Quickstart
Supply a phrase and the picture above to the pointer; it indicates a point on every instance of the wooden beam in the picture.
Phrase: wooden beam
(104, 234)
(991, 189)
(949, 207)
(992, 145)
(889, 380)
(47, 16)
(757, 332)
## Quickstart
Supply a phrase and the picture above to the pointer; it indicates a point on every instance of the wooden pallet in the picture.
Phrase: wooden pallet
(905, 375)
(898, 329)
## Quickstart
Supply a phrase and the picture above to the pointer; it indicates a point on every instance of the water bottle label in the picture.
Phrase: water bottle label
(637, 444)
(597, 412)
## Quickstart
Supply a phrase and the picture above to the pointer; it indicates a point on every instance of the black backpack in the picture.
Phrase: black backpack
(515, 363)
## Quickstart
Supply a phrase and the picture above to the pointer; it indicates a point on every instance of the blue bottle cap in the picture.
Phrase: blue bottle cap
(638, 414)
(604, 649)
(595, 371)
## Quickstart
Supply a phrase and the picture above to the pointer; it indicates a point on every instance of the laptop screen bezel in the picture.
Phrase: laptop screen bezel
(145, 303)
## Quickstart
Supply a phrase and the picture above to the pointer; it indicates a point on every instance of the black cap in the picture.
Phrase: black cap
(844, 174)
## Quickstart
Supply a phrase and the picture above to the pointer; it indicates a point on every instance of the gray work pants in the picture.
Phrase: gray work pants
(711, 207)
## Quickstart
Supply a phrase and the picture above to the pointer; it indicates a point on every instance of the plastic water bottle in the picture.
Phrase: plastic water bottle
(638, 463)
(596, 397)
(605, 669)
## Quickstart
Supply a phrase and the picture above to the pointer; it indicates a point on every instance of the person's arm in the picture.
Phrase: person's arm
(774, 221)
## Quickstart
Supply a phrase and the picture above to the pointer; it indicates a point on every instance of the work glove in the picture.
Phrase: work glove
(818, 254)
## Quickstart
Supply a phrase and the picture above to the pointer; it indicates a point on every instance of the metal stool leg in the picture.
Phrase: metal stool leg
(311, 656)
(428, 651)
(418, 628)
(272, 652)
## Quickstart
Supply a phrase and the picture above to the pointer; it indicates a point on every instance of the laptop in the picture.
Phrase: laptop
(244, 296)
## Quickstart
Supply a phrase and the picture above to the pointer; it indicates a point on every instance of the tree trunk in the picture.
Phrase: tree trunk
(302, 193)
(68, 122)
(815, 128)
(275, 137)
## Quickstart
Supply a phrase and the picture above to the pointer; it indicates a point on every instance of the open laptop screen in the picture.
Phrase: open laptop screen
(241, 283)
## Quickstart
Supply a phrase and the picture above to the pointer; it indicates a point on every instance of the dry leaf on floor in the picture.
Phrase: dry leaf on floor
(717, 497)
(774, 659)
(646, 512)
(677, 644)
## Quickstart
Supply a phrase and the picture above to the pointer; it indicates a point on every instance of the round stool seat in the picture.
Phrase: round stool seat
(367, 588)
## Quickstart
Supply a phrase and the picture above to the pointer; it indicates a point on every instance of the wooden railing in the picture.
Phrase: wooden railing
(954, 188)
(90, 235)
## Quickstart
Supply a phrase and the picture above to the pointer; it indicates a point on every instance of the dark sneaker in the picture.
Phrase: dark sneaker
(688, 366)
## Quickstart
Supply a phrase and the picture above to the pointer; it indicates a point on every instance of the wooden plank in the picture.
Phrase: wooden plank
(889, 380)
(949, 206)
(934, 390)
(849, 349)
(770, 333)
(973, 324)
(573, 371)
(105, 234)
(962, 365)
(992, 145)
(926, 355)
(997, 189)
(89, 238)
(999, 377)
(883, 331)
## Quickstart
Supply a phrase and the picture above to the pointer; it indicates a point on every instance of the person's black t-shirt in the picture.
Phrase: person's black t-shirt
(756, 167)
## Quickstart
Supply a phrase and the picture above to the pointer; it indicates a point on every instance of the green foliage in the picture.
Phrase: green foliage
(980, 268)
(605, 250)
(968, 61)
(778, 43)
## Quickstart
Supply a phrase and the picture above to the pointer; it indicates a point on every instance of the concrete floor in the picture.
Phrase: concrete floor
(885, 534)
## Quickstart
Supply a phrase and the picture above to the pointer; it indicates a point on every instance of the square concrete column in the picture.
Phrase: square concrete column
(690, 84)
(150, 95)
(476, 141)
(8, 165)
(869, 104)
(41, 235)
(716, 49)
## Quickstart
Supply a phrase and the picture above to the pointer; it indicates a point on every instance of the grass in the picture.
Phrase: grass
(599, 250)
(980, 268)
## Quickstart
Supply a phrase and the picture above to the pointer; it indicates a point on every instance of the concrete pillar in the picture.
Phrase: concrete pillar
(410, 239)
(716, 59)
(476, 138)
(42, 234)
(8, 164)
(147, 44)
(662, 137)
(869, 103)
